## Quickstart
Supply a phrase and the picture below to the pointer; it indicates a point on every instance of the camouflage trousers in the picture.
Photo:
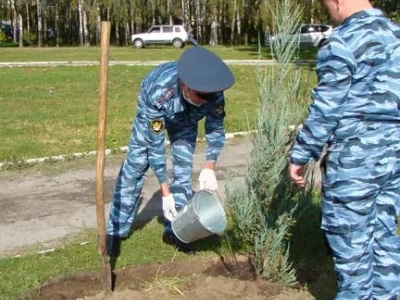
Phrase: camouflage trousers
(132, 176)
(361, 205)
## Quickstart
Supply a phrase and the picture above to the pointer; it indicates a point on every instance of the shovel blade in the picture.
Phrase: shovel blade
(107, 275)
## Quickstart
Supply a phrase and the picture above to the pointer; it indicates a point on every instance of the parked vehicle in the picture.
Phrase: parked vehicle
(309, 35)
(6, 29)
(174, 35)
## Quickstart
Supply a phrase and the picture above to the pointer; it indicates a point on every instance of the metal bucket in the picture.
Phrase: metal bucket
(202, 216)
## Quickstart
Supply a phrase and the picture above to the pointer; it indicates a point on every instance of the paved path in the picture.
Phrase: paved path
(38, 209)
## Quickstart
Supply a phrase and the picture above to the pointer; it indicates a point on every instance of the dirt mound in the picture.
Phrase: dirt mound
(203, 279)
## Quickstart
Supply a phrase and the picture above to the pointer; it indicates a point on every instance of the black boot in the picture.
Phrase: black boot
(170, 239)
(113, 243)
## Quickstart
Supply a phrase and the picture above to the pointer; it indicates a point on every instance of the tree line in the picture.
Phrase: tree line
(77, 22)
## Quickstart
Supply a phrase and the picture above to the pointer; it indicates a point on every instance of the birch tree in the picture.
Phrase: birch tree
(39, 23)
(233, 20)
(80, 16)
(20, 26)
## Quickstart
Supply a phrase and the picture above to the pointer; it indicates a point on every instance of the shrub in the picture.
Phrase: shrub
(264, 208)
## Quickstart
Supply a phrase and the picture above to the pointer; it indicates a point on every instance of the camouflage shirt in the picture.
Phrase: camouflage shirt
(161, 107)
(358, 92)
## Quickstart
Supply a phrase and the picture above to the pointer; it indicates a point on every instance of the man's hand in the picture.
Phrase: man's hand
(295, 174)
(207, 180)
(168, 207)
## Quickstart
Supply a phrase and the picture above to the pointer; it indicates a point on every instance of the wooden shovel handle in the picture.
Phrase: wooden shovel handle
(101, 145)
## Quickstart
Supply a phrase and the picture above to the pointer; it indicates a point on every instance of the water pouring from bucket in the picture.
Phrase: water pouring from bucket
(202, 216)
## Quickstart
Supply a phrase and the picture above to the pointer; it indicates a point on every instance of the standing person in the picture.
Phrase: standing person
(173, 98)
(356, 112)
(191, 37)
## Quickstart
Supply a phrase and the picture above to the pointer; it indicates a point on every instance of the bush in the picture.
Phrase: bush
(264, 208)
(3, 37)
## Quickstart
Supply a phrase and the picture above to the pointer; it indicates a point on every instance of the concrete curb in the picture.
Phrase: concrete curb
(32, 161)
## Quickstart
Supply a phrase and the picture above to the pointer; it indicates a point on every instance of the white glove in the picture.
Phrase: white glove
(207, 180)
(168, 206)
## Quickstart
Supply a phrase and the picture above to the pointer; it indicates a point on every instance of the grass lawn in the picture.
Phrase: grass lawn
(32, 270)
(53, 110)
(20, 274)
(132, 54)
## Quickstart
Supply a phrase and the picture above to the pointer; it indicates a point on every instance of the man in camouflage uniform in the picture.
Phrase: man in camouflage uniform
(173, 98)
(356, 112)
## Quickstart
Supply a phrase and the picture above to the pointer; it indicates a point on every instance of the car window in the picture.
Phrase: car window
(155, 30)
(177, 29)
(305, 29)
(167, 29)
(314, 28)
(324, 28)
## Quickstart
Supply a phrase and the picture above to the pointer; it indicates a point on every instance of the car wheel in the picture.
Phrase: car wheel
(138, 43)
(177, 43)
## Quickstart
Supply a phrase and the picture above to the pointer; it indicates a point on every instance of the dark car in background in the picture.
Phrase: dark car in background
(6, 29)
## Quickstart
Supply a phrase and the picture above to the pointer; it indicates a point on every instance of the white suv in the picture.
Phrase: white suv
(309, 35)
(174, 35)
(314, 34)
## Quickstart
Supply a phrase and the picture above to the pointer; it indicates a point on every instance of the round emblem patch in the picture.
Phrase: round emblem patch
(157, 126)
(220, 110)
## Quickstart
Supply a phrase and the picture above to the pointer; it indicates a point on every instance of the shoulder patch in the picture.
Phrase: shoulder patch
(166, 96)
(157, 126)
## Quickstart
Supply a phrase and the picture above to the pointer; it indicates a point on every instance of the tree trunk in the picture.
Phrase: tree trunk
(28, 21)
(56, 25)
(153, 13)
(214, 33)
(98, 25)
(239, 26)
(81, 38)
(221, 22)
(44, 28)
(85, 28)
(234, 13)
(127, 33)
(198, 21)
(186, 13)
(204, 21)
(68, 24)
(14, 21)
(312, 12)
(117, 35)
(21, 31)
(169, 12)
(39, 23)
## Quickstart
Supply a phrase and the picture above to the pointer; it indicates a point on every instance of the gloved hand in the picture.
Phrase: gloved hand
(207, 180)
(168, 206)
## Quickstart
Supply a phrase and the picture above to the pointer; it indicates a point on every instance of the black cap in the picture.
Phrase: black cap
(203, 71)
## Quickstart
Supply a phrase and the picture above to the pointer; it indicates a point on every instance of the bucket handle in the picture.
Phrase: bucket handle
(215, 192)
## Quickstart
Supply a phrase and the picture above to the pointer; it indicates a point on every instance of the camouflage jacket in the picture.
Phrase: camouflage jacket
(161, 108)
(358, 92)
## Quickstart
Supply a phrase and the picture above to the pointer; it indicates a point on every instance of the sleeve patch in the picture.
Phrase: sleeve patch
(157, 126)
(165, 97)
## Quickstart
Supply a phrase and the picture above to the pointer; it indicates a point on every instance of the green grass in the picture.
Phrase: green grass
(132, 54)
(20, 274)
(53, 110)
(117, 53)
